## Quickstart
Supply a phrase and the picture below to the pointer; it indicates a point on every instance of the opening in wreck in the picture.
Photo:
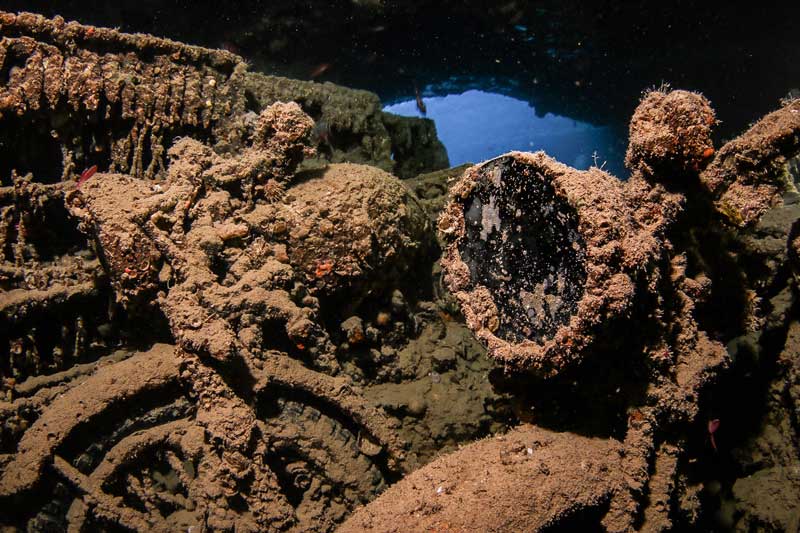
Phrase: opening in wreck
(477, 125)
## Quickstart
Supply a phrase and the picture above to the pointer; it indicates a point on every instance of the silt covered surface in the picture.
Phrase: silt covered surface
(244, 328)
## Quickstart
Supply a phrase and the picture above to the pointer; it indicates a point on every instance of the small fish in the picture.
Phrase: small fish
(420, 103)
(321, 133)
(319, 70)
(713, 426)
(86, 174)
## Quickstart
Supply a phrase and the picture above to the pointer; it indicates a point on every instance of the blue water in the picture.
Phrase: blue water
(477, 125)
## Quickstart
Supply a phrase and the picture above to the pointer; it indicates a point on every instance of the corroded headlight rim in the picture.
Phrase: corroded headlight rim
(620, 256)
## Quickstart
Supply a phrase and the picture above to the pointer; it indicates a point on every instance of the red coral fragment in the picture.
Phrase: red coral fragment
(86, 174)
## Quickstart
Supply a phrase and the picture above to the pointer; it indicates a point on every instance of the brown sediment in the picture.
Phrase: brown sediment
(431, 189)
(670, 134)
(616, 236)
(623, 256)
(334, 109)
(186, 248)
(752, 173)
(306, 371)
(351, 221)
(287, 373)
(213, 279)
(477, 484)
(179, 87)
(436, 387)
(257, 426)
(415, 145)
(94, 501)
(350, 126)
(123, 382)
(561, 475)
(78, 96)
(18, 303)
(128, 254)
(765, 495)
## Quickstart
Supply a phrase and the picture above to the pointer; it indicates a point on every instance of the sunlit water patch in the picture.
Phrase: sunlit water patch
(476, 125)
